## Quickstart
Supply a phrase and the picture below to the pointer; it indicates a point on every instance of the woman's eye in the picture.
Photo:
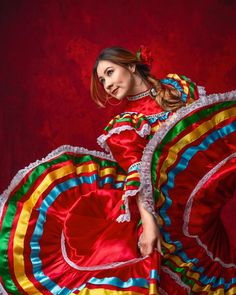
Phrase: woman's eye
(102, 81)
(109, 72)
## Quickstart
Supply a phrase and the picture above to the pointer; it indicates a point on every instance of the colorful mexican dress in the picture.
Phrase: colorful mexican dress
(70, 222)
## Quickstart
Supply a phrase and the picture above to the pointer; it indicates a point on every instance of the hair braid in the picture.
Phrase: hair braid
(167, 97)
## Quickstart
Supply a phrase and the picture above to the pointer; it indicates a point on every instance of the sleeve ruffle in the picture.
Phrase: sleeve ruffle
(132, 187)
(125, 121)
(187, 88)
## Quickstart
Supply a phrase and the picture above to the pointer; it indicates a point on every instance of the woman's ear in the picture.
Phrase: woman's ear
(132, 68)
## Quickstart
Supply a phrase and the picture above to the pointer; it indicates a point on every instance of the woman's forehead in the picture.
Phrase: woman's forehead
(103, 65)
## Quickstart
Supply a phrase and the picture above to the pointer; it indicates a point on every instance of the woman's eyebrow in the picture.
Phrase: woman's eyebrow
(104, 72)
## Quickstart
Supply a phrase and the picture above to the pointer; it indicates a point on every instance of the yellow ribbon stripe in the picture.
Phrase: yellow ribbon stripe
(198, 289)
(86, 291)
(153, 289)
(191, 137)
(22, 225)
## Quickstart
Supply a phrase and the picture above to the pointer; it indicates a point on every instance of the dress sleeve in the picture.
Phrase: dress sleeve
(126, 137)
(188, 89)
(130, 121)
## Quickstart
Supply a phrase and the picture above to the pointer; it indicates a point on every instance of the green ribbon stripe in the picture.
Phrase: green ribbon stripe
(181, 126)
(122, 120)
(180, 270)
(191, 85)
(11, 209)
(133, 183)
(191, 89)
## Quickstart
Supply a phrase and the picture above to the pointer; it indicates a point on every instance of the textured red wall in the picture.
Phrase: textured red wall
(48, 48)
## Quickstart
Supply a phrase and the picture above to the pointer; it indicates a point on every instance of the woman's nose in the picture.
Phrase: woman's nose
(108, 84)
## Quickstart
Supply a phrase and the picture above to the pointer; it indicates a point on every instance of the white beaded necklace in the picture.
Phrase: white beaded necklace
(150, 92)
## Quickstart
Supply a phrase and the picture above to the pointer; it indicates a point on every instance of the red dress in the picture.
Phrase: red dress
(70, 223)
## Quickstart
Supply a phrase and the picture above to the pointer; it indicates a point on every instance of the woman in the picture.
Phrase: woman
(71, 224)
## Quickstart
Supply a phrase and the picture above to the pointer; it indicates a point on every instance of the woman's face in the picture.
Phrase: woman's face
(116, 80)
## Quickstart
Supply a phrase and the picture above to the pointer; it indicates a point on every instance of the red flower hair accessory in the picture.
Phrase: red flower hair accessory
(144, 54)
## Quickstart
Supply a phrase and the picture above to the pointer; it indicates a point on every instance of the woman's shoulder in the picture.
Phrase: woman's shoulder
(133, 119)
(125, 121)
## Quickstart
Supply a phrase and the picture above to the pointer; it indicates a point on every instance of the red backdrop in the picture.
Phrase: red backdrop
(48, 49)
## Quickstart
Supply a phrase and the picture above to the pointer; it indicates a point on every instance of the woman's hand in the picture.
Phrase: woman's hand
(150, 238)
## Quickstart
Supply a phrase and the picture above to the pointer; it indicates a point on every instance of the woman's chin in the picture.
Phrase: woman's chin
(118, 97)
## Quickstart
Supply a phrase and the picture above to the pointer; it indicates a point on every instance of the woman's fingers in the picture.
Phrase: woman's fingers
(146, 247)
(159, 247)
(143, 246)
(159, 242)
(150, 238)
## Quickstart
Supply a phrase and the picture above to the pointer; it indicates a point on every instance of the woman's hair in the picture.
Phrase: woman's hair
(167, 97)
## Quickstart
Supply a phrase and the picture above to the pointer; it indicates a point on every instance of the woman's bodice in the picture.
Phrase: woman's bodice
(128, 133)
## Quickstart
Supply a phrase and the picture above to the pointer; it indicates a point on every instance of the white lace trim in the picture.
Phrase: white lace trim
(129, 193)
(176, 278)
(135, 166)
(162, 291)
(126, 217)
(145, 171)
(101, 140)
(188, 208)
(201, 92)
(95, 267)
(146, 195)
(158, 115)
(2, 290)
(60, 150)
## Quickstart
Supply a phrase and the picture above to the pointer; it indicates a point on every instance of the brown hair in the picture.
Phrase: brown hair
(167, 97)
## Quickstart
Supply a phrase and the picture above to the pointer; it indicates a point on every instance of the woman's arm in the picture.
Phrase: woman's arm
(126, 137)
(150, 237)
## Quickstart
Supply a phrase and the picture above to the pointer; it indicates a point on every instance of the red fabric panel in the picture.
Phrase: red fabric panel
(127, 147)
(48, 49)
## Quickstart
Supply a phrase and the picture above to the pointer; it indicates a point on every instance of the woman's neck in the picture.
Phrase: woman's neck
(140, 85)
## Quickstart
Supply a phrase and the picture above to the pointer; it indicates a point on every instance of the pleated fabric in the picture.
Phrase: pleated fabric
(59, 230)
(59, 233)
(193, 175)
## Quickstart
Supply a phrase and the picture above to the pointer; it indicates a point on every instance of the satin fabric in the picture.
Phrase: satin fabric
(62, 218)
(59, 229)
(190, 208)
(127, 147)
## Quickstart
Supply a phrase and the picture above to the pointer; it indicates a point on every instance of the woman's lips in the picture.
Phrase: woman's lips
(114, 92)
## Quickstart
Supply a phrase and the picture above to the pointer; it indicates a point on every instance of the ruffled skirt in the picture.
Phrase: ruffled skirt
(59, 233)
